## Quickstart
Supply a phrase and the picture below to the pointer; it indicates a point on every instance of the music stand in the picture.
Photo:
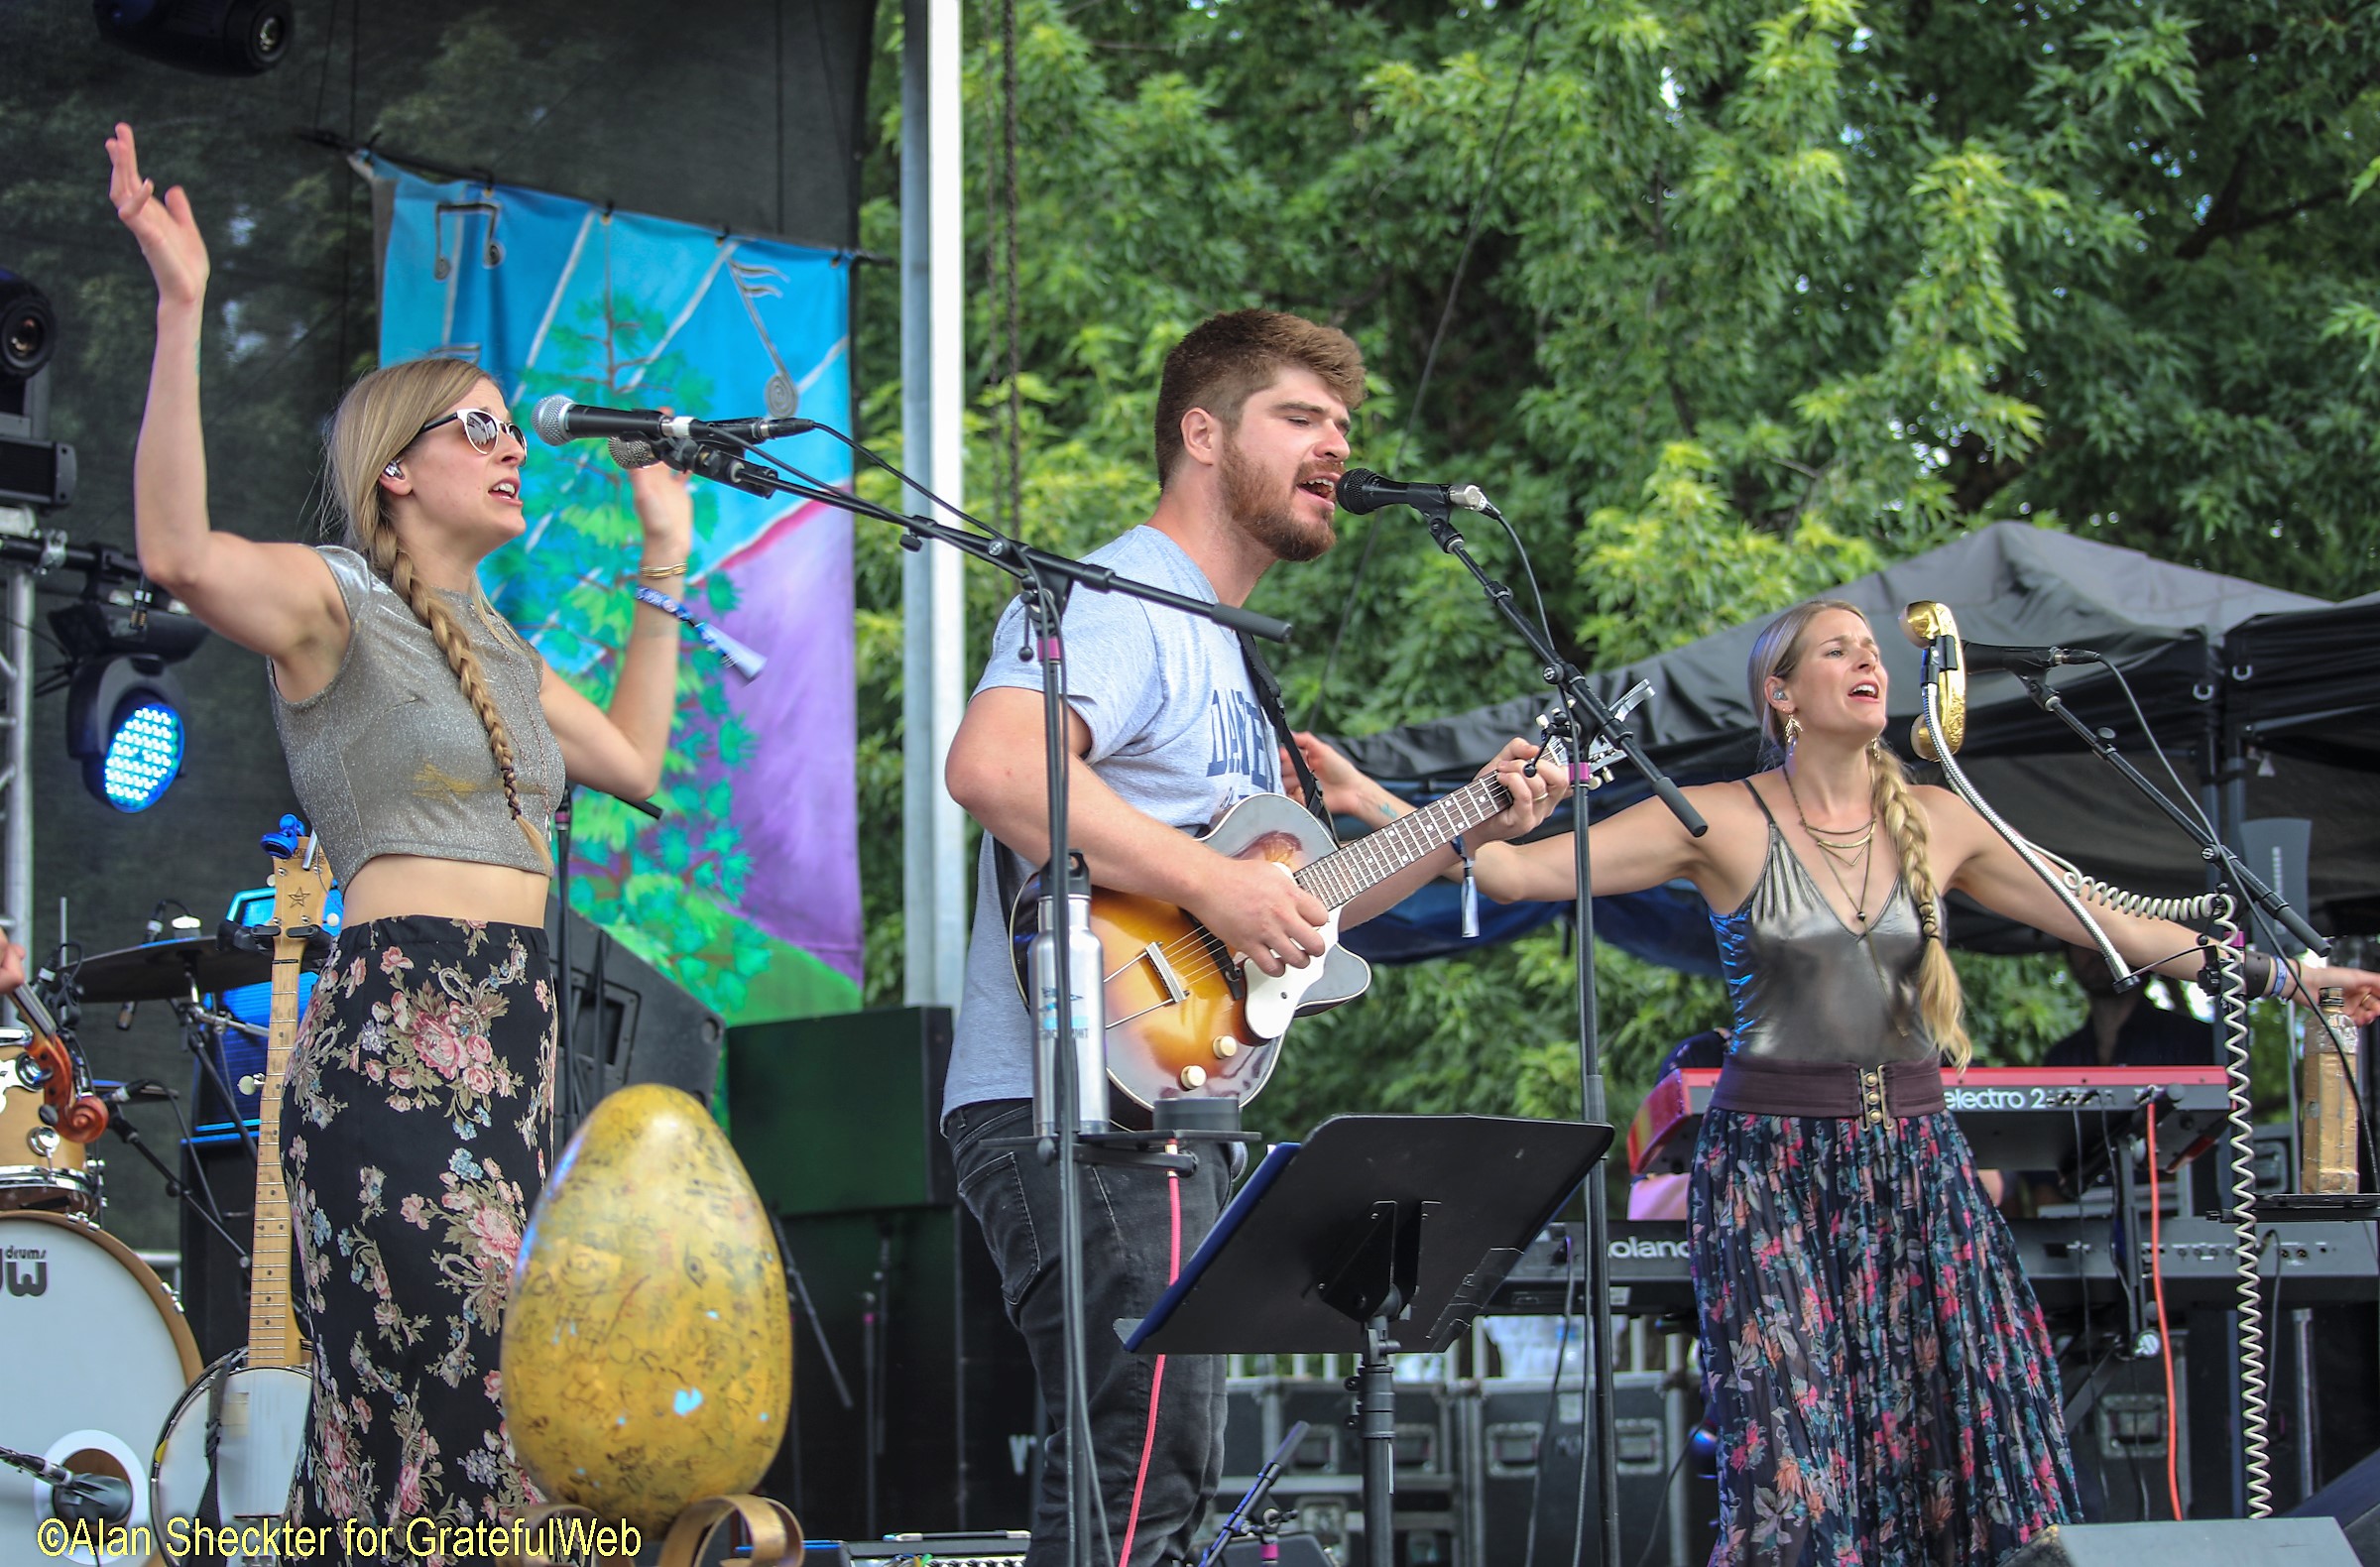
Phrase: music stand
(1378, 1236)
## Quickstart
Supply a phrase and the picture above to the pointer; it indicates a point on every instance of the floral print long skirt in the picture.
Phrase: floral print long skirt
(414, 1131)
(1875, 1361)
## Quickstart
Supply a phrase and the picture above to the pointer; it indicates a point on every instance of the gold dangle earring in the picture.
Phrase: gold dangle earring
(1793, 731)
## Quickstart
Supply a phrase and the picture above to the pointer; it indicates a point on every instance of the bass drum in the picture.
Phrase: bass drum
(102, 1354)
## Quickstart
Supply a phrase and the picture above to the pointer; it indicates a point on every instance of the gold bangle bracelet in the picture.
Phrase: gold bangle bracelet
(661, 574)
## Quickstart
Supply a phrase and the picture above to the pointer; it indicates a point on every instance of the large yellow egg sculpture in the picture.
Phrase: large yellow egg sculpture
(647, 1349)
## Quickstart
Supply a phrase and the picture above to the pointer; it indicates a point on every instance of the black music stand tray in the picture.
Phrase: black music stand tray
(1380, 1235)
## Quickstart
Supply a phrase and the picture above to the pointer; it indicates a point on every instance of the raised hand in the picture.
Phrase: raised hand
(167, 234)
(665, 504)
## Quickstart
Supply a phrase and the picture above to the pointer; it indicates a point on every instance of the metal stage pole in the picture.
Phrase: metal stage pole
(934, 881)
(16, 782)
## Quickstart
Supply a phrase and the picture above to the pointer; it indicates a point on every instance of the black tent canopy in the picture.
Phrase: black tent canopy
(2270, 692)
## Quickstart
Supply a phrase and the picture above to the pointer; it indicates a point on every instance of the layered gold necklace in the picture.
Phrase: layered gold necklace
(1841, 850)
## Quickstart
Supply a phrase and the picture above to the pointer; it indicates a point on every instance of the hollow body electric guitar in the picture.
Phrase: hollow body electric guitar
(1186, 1018)
(231, 1447)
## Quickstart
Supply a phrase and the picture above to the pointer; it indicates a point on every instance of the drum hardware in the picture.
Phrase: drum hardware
(94, 1306)
(95, 1497)
(173, 970)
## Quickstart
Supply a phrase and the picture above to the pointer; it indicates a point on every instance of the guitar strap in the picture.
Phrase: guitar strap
(210, 1507)
(1268, 697)
(1007, 882)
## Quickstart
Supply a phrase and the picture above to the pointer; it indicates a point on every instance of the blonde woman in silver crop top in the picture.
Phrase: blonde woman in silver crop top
(430, 745)
(426, 503)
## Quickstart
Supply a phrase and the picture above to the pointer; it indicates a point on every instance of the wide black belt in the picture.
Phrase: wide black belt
(1886, 1091)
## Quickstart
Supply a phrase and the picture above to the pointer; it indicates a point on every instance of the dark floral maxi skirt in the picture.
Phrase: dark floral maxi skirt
(414, 1131)
(1875, 1363)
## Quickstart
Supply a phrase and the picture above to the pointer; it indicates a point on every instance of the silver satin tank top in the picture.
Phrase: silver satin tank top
(389, 757)
(1805, 986)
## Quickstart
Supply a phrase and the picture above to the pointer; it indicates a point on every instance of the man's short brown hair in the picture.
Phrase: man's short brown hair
(1229, 358)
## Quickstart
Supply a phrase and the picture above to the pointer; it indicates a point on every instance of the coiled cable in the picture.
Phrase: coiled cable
(2072, 888)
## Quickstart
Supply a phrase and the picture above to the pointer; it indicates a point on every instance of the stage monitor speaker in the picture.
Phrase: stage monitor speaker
(943, 1425)
(2199, 1542)
(213, 1285)
(2352, 1501)
(843, 1113)
(629, 1024)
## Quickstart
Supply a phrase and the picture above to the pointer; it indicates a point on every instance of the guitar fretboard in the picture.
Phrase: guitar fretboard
(1341, 876)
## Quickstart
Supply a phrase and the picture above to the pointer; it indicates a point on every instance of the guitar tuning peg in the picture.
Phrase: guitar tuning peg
(1545, 721)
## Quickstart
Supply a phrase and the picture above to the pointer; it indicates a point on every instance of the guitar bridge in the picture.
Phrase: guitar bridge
(1175, 991)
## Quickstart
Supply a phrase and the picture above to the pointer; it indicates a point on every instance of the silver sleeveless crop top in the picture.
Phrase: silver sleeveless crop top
(389, 757)
(1805, 986)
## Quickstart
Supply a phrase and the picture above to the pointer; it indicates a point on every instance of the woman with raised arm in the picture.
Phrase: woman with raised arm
(1872, 1354)
(429, 744)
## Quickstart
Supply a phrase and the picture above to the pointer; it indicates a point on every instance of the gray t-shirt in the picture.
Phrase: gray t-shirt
(1177, 732)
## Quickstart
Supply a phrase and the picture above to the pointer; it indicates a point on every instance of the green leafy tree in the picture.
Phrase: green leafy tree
(1754, 297)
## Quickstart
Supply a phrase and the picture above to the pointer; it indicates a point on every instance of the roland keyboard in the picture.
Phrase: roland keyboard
(2014, 1117)
(2070, 1264)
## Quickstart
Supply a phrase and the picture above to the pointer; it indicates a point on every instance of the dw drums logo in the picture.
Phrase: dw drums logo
(25, 1271)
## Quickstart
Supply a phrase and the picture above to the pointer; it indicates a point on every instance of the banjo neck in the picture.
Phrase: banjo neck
(301, 883)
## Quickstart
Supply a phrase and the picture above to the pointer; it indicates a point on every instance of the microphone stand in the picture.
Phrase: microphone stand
(1588, 718)
(2229, 866)
(1045, 581)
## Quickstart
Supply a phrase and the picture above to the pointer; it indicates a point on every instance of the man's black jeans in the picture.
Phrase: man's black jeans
(1127, 1253)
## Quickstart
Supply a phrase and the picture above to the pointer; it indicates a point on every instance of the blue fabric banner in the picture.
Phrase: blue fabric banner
(746, 891)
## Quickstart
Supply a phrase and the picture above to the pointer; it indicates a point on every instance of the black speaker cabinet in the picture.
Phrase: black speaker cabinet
(2200, 1542)
(214, 1286)
(843, 1113)
(839, 1120)
(1524, 1462)
(629, 1024)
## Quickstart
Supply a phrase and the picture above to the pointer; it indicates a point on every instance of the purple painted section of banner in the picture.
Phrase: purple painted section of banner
(797, 791)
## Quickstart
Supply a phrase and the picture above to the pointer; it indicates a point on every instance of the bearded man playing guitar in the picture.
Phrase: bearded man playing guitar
(1167, 730)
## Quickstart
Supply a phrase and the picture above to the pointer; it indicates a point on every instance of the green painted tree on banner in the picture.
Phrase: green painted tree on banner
(667, 888)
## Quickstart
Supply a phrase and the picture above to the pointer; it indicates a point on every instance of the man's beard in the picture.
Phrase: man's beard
(1263, 515)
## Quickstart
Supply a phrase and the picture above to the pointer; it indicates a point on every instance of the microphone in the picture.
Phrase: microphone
(138, 1089)
(2026, 661)
(1360, 491)
(630, 452)
(558, 419)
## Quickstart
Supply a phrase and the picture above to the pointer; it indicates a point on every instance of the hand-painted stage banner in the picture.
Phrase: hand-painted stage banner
(747, 889)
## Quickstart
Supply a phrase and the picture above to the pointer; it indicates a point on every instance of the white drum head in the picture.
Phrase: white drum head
(104, 1356)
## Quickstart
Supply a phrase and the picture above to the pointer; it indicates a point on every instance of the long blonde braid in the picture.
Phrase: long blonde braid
(1776, 653)
(377, 420)
(1939, 1000)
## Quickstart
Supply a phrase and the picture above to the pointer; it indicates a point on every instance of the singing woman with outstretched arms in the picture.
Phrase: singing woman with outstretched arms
(1873, 1357)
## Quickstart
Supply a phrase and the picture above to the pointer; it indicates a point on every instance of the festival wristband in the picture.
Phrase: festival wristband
(732, 653)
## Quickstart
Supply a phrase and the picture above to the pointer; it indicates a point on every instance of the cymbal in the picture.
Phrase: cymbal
(163, 970)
